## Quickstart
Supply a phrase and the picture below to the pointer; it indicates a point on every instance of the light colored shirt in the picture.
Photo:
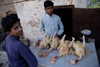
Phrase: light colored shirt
(50, 24)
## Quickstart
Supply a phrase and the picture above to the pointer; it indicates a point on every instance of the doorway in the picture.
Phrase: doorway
(66, 17)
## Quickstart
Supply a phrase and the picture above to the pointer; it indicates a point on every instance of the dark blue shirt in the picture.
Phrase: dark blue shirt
(19, 55)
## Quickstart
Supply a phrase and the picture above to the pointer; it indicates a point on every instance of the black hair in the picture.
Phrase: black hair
(48, 3)
(8, 21)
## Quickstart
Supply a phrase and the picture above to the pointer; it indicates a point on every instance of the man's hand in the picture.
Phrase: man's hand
(57, 35)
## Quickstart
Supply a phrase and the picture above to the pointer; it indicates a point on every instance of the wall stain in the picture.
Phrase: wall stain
(33, 23)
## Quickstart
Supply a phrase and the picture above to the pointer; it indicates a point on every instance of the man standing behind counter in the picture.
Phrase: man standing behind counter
(50, 22)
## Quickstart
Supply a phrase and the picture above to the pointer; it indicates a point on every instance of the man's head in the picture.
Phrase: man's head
(11, 25)
(48, 7)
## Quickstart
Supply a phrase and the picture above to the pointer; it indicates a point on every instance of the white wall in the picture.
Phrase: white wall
(30, 13)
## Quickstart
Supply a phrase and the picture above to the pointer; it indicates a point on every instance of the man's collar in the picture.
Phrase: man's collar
(49, 15)
(14, 37)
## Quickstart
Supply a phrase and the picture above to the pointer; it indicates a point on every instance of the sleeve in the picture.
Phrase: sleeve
(3, 46)
(42, 27)
(48, 35)
(61, 30)
(26, 53)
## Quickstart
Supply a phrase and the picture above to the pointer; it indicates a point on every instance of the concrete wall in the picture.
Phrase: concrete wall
(30, 13)
(5, 5)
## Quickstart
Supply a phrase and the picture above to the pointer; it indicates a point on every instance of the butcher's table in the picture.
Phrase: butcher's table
(89, 60)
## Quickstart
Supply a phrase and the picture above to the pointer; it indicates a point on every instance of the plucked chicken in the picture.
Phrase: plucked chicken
(61, 42)
(79, 50)
(63, 50)
(54, 44)
(44, 43)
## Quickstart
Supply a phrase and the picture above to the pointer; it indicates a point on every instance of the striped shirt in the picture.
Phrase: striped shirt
(50, 24)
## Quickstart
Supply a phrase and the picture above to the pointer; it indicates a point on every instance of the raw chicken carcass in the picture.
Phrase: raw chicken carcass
(79, 50)
(61, 42)
(63, 50)
(44, 43)
(54, 44)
